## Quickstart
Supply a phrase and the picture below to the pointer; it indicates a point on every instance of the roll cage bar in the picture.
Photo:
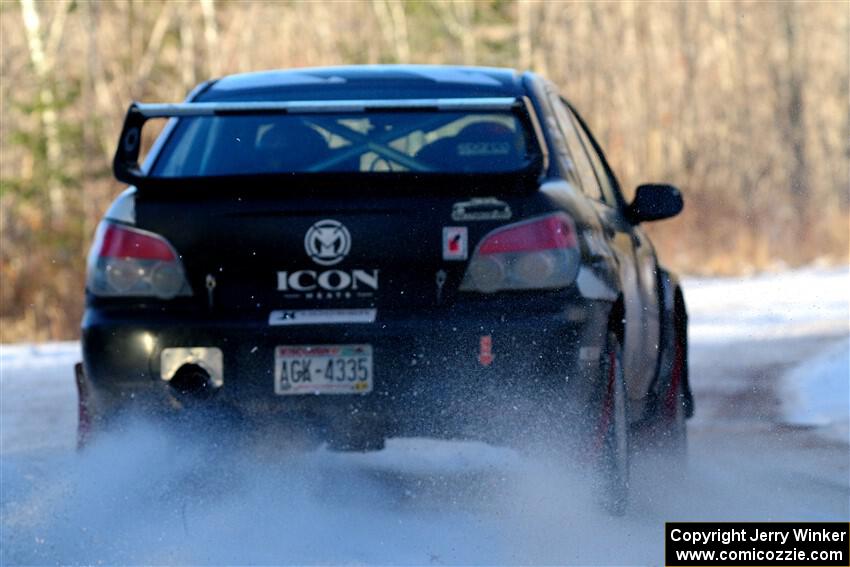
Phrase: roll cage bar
(126, 167)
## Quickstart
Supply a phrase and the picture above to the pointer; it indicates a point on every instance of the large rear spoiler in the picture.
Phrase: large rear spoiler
(126, 162)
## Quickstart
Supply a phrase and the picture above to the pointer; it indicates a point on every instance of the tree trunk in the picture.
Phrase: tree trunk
(43, 61)
(524, 34)
(211, 37)
(187, 49)
(795, 109)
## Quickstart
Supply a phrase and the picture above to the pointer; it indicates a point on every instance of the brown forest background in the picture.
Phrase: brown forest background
(744, 105)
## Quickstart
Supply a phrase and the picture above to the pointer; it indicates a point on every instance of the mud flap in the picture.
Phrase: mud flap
(84, 416)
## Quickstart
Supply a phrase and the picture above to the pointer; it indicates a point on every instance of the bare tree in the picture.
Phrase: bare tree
(211, 37)
(43, 59)
(187, 49)
(743, 104)
(523, 27)
(392, 21)
(154, 44)
(795, 110)
(458, 16)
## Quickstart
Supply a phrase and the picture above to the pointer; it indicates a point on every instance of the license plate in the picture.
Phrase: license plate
(323, 369)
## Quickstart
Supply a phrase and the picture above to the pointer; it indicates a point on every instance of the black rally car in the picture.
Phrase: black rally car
(355, 253)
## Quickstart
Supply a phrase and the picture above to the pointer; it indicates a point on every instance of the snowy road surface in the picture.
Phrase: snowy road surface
(769, 442)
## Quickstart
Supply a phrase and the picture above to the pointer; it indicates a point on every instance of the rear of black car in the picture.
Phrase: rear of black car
(349, 269)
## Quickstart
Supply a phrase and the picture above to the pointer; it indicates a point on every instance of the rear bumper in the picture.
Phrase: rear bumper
(428, 379)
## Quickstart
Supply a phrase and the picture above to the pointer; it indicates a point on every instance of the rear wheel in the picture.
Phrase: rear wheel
(612, 439)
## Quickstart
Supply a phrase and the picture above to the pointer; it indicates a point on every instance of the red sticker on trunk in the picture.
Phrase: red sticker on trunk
(455, 243)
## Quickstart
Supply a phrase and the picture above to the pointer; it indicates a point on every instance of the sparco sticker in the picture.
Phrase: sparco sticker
(455, 243)
(283, 317)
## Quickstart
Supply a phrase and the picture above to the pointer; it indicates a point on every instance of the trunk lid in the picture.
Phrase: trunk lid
(247, 256)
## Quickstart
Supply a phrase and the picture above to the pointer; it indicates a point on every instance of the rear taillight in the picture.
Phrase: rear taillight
(540, 253)
(128, 262)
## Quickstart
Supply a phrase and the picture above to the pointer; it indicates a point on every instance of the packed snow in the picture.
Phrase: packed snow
(769, 369)
(802, 302)
(38, 397)
(817, 392)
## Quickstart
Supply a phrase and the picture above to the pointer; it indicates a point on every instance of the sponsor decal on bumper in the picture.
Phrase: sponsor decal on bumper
(283, 317)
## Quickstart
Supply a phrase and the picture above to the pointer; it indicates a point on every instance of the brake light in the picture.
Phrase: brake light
(122, 242)
(555, 231)
(128, 262)
(540, 253)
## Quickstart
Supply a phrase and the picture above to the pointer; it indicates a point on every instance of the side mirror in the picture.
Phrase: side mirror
(655, 201)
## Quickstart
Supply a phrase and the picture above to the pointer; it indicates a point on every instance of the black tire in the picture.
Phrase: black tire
(614, 451)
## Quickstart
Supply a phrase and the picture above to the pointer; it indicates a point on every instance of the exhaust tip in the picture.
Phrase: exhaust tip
(191, 380)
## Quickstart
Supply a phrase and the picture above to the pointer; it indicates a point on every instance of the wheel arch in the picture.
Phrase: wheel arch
(674, 332)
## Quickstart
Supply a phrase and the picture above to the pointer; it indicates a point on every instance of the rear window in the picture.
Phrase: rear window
(420, 141)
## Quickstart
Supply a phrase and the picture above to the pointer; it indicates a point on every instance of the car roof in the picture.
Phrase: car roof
(365, 82)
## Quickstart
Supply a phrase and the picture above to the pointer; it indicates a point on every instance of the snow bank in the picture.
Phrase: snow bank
(38, 396)
(30, 355)
(812, 302)
(802, 302)
(817, 393)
